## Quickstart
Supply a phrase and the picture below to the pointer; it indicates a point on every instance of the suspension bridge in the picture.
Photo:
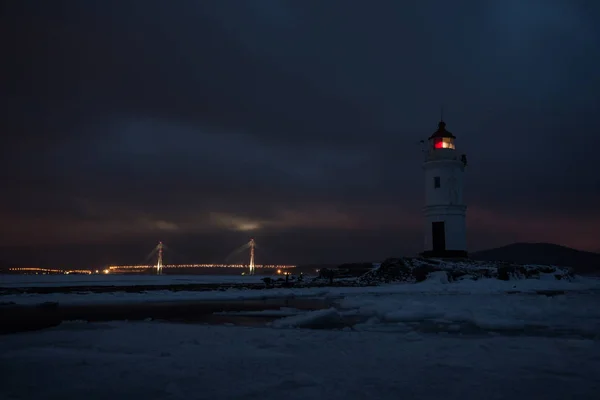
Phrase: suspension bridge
(159, 251)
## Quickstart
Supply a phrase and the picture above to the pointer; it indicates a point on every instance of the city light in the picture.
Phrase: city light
(158, 250)
(50, 270)
(116, 268)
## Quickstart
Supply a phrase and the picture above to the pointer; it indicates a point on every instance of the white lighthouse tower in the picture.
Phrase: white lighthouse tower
(444, 211)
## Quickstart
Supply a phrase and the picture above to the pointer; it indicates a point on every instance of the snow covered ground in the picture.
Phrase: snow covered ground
(150, 360)
(431, 286)
(430, 340)
(119, 280)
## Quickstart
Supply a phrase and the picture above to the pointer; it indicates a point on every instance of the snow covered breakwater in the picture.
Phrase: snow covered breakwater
(419, 269)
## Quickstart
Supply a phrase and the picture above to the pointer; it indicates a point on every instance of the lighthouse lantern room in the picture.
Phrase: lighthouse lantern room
(444, 211)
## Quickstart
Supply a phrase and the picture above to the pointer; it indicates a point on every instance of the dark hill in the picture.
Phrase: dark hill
(583, 262)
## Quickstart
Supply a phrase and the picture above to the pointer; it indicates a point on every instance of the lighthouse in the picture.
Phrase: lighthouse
(444, 211)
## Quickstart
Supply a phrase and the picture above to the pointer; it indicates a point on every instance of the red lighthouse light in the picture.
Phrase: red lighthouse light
(443, 143)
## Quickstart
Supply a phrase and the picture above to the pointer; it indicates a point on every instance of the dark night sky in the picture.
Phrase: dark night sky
(203, 123)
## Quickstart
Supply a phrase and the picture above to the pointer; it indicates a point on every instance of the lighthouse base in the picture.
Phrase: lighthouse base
(445, 254)
(445, 231)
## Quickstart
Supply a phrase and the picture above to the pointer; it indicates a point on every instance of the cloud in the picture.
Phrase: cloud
(166, 226)
(234, 223)
(123, 121)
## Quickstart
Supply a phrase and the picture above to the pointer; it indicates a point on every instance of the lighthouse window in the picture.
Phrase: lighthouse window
(436, 182)
(443, 143)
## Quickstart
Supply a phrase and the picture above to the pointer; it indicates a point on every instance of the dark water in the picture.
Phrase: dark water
(23, 318)
(466, 329)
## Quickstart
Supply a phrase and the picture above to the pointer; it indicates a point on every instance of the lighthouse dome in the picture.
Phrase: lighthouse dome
(442, 139)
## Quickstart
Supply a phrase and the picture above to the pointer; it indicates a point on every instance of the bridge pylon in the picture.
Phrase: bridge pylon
(159, 262)
(251, 265)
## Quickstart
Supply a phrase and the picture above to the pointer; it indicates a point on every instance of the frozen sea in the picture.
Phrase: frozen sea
(432, 340)
(53, 280)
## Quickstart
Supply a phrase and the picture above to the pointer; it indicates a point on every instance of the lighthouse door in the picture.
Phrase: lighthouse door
(438, 230)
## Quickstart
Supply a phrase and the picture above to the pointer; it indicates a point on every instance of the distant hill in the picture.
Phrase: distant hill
(583, 262)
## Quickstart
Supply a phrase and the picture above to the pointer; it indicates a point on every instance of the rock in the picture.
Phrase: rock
(413, 270)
